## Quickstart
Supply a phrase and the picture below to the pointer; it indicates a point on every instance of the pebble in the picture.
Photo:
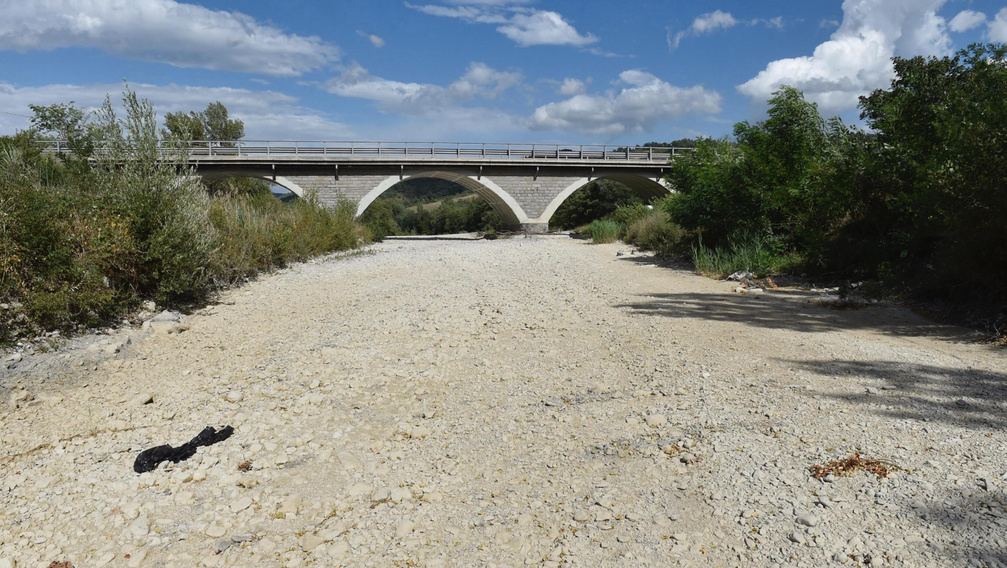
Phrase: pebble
(655, 420)
(215, 531)
(808, 520)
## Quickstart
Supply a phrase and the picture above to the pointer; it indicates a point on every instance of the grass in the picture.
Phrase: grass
(743, 252)
(604, 231)
(655, 231)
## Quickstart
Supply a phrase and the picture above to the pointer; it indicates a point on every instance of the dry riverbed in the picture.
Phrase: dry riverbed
(527, 401)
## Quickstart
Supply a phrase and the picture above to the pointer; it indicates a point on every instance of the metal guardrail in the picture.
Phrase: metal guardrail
(433, 150)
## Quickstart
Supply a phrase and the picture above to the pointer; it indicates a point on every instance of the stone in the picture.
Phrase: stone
(241, 504)
(808, 520)
(234, 396)
(215, 531)
(310, 541)
(404, 528)
(655, 420)
(797, 537)
(142, 399)
(8, 563)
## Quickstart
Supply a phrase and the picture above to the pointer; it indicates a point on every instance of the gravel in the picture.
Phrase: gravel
(526, 401)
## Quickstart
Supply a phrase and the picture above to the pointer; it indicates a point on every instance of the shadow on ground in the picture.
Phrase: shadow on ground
(790, 310)
(969, 398)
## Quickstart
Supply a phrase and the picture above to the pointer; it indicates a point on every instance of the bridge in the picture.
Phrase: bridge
(524, 183)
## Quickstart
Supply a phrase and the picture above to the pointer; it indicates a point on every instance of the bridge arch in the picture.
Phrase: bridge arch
(510, 211)
(281, 181)
(645, 187)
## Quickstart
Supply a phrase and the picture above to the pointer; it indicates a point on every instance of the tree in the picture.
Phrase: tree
(212, 125)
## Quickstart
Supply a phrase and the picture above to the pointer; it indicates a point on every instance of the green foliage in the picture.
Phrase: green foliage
(430, 206)
(936, 185)
(743, 251)
(596, 200)
(604, 231)
(258, 233)
(86, 237)
(212, 124)
(380, 219)
(655, 231)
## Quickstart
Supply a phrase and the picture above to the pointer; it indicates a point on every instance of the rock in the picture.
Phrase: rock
(14, 358)
(20, 398)
(241, 504)
(215, 531)
(166, 322)
(404, 528)
(142, 399)
(655, 420)
(808, 520)
(797, 537)
(840, 557)
(310, 541)
(234, 396)
(7, 563)
(582, 516)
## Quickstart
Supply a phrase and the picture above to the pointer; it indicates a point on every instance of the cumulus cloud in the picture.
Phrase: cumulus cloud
(857, 58)
(966, 20)
(525, 26)
(422, 99)
(998, 27)
(571, 87)
(166, 31)
(266, 114)
(638, 107)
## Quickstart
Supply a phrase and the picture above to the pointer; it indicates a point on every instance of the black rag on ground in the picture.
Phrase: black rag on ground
(149, 459)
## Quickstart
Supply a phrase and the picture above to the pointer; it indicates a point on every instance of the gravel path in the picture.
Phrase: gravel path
(516, 402)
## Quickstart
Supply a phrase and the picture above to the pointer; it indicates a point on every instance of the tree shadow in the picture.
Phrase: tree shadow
(970, 398)
(793, 310)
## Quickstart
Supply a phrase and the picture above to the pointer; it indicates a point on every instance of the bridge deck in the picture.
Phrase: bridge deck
(287, 149)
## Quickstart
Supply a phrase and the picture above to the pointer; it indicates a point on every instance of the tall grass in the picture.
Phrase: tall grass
(604, 231)
(744, 252)
(258, 233)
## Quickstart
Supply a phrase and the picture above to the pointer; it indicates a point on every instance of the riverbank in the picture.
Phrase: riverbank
(532, 401)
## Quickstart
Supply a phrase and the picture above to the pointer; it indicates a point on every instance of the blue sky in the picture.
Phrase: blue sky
(577, 71)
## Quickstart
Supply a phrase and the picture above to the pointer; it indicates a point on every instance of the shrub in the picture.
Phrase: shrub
(604, 231)
(655, 231)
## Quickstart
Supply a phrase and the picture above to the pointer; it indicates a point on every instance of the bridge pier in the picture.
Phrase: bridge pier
(534, 228)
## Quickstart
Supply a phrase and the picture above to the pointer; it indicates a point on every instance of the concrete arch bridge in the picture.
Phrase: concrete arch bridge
(524, 183)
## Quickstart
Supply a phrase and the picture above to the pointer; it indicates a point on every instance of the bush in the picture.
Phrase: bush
(604, 231)
(655, 231)
(84, 237)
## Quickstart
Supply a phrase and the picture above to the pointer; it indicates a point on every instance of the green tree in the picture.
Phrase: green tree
(210, 125)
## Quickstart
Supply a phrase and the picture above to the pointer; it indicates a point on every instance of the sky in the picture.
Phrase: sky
(551, 71)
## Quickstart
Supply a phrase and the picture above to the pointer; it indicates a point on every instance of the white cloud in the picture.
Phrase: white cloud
(166, 31)
(376, 41)
(641, 105)
(966, 20)
(857, 59)
(543, 28)
(525, 26)
(706, 23)
(998, 27)
(712, 21)
(266, 114)
(572, 87)
(422, 99)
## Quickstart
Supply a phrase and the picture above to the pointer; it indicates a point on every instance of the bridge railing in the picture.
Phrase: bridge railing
(433, 150)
